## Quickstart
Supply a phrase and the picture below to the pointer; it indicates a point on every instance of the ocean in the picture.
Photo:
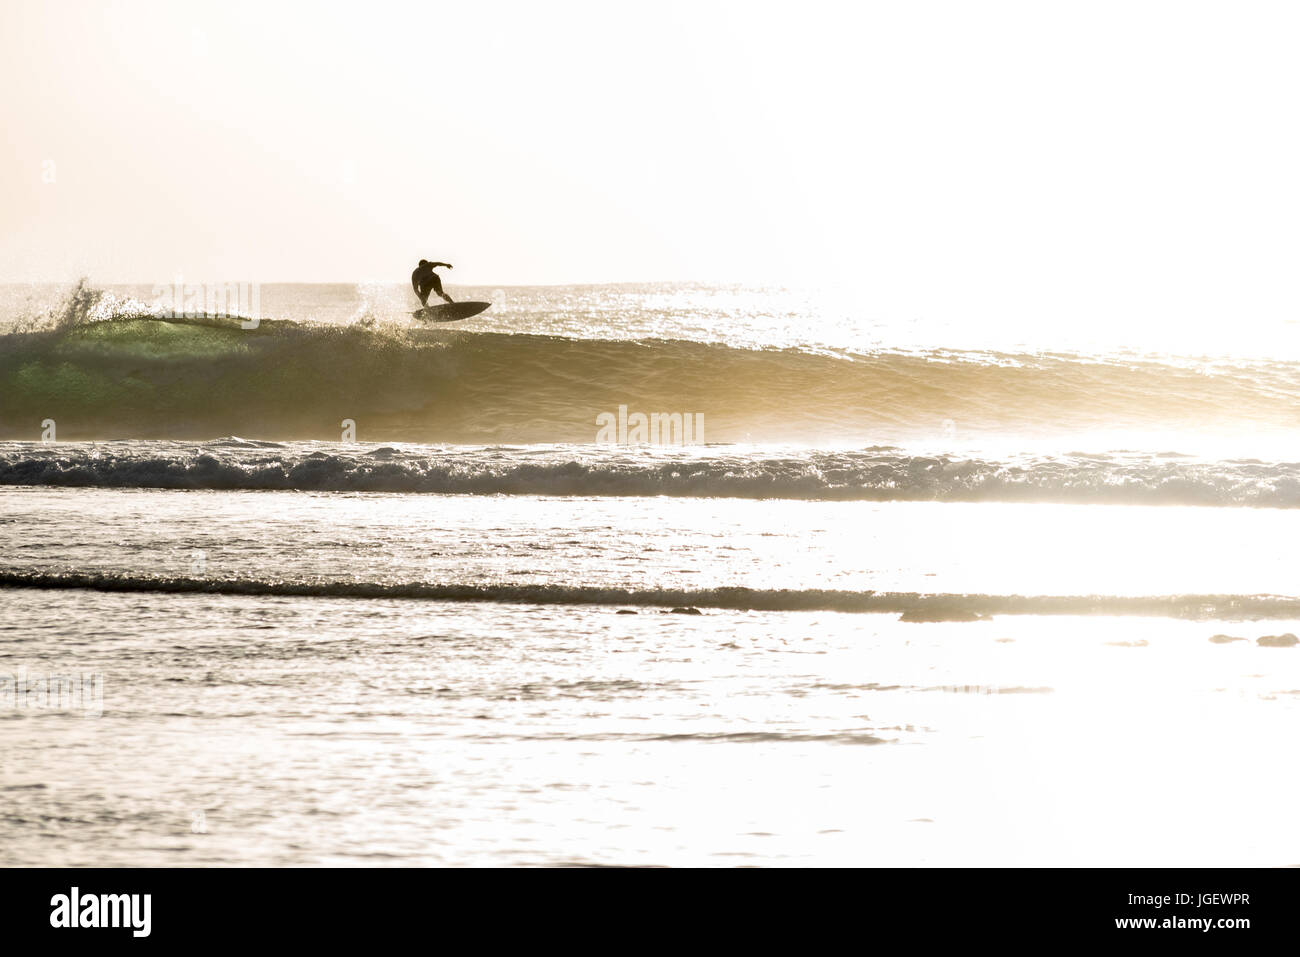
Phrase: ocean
(641, 574)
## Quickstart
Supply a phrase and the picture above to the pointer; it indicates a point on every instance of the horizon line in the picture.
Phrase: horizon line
(400, 282)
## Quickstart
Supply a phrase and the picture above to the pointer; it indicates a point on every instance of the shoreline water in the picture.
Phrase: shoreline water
(348, 733)
(911, 606)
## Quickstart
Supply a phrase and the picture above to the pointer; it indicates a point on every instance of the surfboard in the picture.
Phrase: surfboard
(450, 311)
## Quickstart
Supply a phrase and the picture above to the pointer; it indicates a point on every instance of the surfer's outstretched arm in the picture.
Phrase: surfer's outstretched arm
(448, 265)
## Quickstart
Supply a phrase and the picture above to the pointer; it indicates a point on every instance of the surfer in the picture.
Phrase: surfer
(424, 281)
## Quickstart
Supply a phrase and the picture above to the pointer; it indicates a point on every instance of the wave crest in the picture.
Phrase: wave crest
(131, 374)
(872, 474)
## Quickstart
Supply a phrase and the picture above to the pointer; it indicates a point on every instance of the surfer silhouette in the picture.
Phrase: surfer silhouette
(424, 281)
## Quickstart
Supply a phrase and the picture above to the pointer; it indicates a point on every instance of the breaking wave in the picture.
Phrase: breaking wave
(117, 371)
(871, 474)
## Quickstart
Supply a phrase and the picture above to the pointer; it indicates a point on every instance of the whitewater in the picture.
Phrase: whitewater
(932, 586)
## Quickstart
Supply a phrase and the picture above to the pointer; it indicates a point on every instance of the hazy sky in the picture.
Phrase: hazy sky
(988, 157)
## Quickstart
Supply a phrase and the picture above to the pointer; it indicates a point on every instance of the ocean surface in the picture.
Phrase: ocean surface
(641, 574)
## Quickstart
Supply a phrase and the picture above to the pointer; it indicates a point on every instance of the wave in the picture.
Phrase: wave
(872, 474)
(913, 606)
(124, 373)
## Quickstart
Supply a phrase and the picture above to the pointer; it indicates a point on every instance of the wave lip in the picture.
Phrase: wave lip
(878, 473)
(934, 607)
